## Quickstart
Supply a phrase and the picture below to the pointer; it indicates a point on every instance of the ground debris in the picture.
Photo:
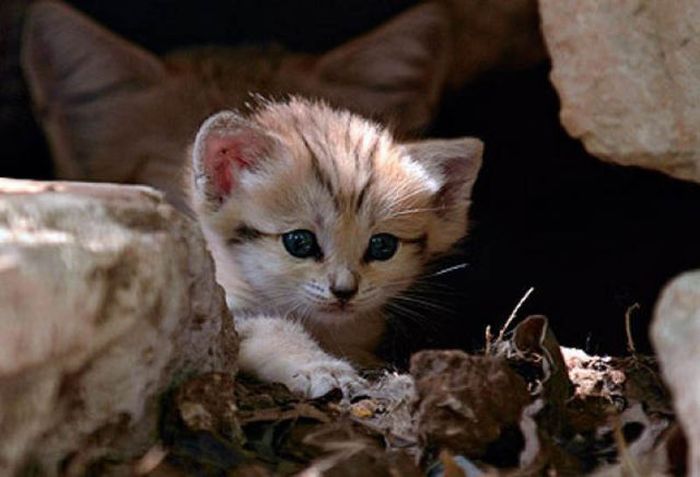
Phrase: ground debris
(207, 403)
(526, 407)
(387, 407)
(465, 403)
(356, 454)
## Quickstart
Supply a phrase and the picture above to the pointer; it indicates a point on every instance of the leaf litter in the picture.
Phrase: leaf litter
(526, 406)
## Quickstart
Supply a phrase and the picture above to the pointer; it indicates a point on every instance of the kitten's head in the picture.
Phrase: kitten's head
(320, 212)
(113, 111)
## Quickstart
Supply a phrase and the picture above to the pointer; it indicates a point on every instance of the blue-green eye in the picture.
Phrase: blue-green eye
(381, 247)
(301, 243)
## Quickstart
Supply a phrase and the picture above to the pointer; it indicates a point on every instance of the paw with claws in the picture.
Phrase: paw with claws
(278, 350)
(318, 378)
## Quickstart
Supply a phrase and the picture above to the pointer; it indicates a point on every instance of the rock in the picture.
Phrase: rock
(675, 334)
(107, 299)
(465, 402)
(628, 76)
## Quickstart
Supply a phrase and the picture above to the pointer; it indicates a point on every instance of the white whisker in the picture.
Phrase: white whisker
(421, 302)
(453, 268)
(412, 315)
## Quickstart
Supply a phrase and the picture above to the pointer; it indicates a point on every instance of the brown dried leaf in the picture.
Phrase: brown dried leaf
(353, 453)
(464, 402)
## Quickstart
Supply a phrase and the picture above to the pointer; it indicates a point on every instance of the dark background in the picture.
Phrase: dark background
(592, 238)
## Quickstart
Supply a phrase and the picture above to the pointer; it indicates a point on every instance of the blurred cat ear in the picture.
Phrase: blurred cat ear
(225, 145)
(453, 163)
(69, 62)
(394, 74)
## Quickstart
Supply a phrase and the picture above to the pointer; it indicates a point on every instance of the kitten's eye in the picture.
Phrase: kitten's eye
(301, 243)
(382, 247)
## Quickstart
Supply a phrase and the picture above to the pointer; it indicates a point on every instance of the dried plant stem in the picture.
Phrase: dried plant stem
(488, 338)
(514, 313)
(150, 460)
(628, 328)
(625, 458)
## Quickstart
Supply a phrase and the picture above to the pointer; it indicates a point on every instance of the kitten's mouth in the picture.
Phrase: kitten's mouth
(338, 308)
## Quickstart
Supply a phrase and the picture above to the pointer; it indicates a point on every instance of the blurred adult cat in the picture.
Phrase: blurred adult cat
(114, 112)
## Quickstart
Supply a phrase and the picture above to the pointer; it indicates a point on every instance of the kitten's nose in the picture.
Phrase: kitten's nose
(343, 284)
(344, 294)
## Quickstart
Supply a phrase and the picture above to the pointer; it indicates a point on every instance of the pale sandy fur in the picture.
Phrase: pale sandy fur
(345, 179)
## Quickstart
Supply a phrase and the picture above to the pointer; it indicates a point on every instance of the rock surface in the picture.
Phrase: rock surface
(107, 299)
(628, 76)
(675, 334)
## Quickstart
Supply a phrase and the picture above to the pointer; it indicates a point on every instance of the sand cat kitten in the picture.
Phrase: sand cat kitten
(115, 112)
(316, 219)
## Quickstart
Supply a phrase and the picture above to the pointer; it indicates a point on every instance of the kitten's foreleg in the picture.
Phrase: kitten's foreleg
(280, 350)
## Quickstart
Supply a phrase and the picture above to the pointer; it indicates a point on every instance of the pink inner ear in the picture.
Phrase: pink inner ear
(222, 155)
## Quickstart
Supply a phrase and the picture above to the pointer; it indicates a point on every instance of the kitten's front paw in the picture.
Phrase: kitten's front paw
(318, 378)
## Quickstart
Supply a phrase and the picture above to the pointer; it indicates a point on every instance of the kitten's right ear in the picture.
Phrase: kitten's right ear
(69, 61)
(225, 146)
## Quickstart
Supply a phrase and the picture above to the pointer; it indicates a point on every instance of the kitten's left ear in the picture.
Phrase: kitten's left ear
(226, 145)
(453, 163)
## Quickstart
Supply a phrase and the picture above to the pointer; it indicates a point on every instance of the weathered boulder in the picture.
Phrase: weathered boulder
(628, 76)
(675, 334)
(107, 298)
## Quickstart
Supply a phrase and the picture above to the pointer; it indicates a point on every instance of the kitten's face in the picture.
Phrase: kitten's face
(321, 213)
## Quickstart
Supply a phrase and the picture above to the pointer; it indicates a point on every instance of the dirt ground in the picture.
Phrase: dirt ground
(523, 407)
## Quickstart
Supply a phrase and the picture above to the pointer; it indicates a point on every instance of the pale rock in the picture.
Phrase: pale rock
(675, 334)
(628, 76)
(107, 298)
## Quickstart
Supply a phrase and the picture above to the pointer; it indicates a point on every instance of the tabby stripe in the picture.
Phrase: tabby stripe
(363, 193)
(245, 233)
(372, 151)
(348, 141)
(320, 175)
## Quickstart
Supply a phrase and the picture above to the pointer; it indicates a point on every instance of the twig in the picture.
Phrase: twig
(488, 338)
(628, 328)
(514, 313)
(625, 458)
(150, 460)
